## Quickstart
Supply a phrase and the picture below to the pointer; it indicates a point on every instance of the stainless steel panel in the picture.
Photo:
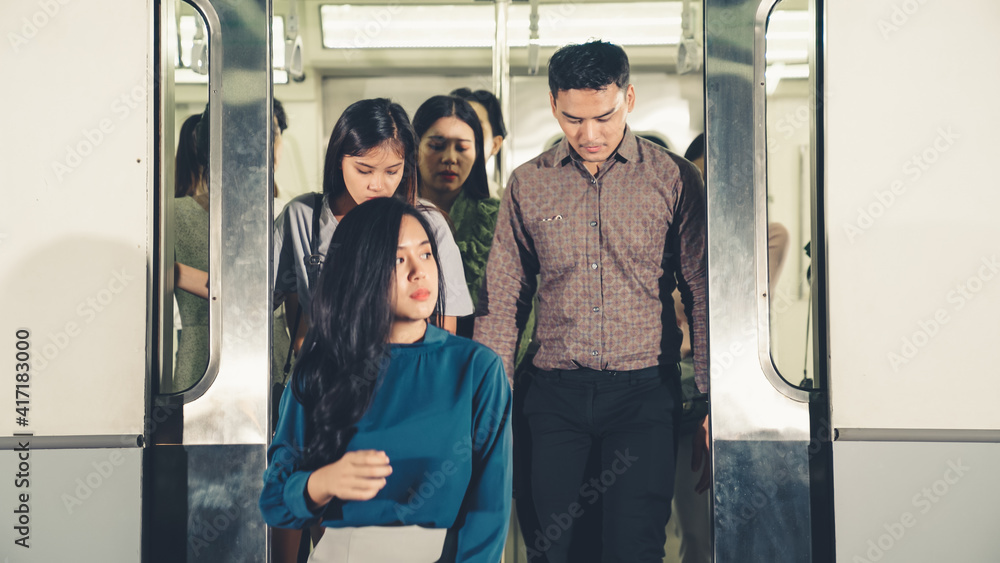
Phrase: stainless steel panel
(757, 422)
(203, 504)
(229, 404)
(761, 493)
(78, 505)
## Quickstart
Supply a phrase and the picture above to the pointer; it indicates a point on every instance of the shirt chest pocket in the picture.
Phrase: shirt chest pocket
(641, 233)
(557, 243)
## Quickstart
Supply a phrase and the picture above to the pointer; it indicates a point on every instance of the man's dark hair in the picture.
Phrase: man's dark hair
(696, 149)
(591, 66)
(486, 99)
(280, 115)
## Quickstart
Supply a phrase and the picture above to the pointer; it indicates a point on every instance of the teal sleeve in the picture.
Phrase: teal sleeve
(283, 501)
(485, 514)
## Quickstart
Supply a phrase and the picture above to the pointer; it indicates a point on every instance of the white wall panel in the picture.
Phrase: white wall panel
(73, 223)
(912, 200)
(916, 502)
(81, 505)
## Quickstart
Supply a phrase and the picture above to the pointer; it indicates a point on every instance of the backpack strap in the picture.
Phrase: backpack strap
(315, 258)
(314, 238)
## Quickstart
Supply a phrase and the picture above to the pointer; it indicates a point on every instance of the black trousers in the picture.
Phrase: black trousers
(629, 417)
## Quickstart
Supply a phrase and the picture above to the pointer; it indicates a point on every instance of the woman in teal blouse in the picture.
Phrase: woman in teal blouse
(396, 437)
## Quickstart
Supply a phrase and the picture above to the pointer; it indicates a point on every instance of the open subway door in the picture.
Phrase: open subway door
(77, 162)
(904, 290)
(86, 270)
(914, 278)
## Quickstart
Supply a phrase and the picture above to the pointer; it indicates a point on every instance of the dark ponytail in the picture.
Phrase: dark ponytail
(188, 171)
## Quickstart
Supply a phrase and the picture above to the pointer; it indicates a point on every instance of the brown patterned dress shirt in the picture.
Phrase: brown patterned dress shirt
(608, 252)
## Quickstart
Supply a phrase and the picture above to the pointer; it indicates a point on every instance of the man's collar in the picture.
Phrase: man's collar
(627, 151)
(564, 152)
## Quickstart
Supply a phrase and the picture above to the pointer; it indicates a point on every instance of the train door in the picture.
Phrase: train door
(878, 449)
(912, 295)
(106, 457)
(74, 249)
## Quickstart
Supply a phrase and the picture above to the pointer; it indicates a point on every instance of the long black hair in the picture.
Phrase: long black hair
(347, 347)
(366, 125)
(696, 149)
(188, 170)
(476, 185)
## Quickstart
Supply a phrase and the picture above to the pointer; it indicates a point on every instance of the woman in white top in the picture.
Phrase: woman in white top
(372, 153)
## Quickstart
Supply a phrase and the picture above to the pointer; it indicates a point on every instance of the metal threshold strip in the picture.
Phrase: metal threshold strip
(915, 435)
(72, 442)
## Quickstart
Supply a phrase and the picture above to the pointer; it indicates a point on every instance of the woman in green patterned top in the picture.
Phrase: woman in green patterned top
(453, 177)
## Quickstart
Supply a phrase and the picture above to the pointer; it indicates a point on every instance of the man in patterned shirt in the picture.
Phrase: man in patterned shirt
(610, 224)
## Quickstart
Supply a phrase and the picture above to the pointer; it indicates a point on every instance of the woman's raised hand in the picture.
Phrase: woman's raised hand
(358, 475)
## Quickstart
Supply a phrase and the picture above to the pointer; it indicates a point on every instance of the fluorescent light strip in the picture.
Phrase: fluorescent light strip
(387, 26)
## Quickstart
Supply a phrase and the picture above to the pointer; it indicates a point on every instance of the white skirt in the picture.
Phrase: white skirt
(380, 544)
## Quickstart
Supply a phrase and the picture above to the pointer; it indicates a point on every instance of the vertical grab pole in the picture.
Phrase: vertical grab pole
(501, 78)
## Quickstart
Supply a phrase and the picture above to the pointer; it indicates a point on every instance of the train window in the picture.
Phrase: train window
(790, 128)
(188, 197)
(190, 200)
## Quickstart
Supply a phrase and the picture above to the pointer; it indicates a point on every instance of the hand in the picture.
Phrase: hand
(700, 458)
(357, 475)
(191, 280)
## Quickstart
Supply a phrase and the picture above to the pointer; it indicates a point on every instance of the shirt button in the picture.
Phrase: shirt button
(593, 180)
(593, 266)
(593, 223)
(595, 353)
(597, 309)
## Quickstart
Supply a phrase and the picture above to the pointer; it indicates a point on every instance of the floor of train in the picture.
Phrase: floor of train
(515, 552)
